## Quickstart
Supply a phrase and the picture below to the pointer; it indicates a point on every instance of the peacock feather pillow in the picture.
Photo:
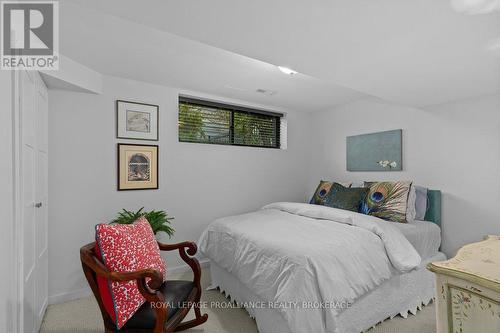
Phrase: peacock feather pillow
(387, 200)
(322, 191)
(345, 198)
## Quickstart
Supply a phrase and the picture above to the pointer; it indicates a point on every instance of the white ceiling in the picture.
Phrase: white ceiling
(411, 52)
(118, 47)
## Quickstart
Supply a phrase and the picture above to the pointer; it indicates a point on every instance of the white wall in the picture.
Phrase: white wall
(453, 147)
(198, 183)
(7, 206)
(74, 76)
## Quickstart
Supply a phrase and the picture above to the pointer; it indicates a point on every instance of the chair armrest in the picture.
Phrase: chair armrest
(148, 290)
(191, 246)
(186, 250)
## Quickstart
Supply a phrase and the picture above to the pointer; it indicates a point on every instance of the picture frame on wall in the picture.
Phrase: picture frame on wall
(137, 167)
(380, 151)
(138, 121)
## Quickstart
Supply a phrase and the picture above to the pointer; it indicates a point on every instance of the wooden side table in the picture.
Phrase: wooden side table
(468, 289)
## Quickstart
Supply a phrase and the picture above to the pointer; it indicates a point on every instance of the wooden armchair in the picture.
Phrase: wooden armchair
(165, 316)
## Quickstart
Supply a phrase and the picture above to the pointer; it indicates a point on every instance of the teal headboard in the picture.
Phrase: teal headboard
(433, 212)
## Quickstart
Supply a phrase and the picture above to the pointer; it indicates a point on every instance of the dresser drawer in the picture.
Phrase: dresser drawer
(472, 312)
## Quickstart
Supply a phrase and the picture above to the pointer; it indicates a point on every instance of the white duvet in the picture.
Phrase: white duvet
(309, 261)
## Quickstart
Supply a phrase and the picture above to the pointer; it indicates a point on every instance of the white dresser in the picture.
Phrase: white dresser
(468, 289)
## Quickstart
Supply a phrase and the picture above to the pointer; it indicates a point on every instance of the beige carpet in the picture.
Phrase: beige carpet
(83, 316)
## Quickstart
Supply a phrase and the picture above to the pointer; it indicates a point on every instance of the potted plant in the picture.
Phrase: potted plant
(158, 219)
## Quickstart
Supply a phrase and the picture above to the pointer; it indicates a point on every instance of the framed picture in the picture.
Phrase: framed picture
(137, 121)
(137, 167)
(381, 151)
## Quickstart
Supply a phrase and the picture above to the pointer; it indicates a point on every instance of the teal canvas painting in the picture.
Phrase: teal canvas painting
(380, 151)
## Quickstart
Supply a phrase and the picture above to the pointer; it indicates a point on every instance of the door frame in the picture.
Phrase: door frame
(17, 220)
(9, 197)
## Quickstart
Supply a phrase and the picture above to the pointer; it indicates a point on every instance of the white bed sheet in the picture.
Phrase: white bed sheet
(423, 235)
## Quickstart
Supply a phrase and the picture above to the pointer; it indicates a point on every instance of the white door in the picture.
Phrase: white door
(41, 195)
(34, 196)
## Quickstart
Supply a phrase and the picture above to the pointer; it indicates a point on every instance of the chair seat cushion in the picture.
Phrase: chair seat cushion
(126, 248)
(175, 293)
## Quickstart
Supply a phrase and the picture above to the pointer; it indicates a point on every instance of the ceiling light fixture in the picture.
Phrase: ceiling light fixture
(287, 70)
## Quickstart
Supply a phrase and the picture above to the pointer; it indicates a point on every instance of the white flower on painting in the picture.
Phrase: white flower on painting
(389, 164)
(383, 164)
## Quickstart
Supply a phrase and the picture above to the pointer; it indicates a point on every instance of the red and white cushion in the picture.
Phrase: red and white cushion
(125, 248)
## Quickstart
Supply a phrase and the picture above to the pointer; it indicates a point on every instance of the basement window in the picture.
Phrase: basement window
(202, 121)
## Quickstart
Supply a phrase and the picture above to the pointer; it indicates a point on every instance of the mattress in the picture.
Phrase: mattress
(424, 236)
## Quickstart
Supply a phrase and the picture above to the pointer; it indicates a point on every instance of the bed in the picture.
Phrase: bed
(306, 268)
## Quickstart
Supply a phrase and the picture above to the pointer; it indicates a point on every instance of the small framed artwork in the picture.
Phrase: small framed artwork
(137, 121)
(137, 167)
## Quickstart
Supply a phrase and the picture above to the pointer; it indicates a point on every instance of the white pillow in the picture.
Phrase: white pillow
(417, 203)
(420, 202)
(411, 212)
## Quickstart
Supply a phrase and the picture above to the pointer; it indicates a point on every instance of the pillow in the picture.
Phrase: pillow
(417, 203)
(387, 200)
(410, 206)
(345, 198)
(420, 203)
(125, 248)
(322, 190)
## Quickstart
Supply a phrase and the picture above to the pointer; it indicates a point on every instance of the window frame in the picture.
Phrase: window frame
(232, 109)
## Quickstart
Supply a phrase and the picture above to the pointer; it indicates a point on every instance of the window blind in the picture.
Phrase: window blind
(203, 121)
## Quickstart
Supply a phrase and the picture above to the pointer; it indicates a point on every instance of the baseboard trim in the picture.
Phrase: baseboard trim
(85, 292)
(69, 296)
(204, 263)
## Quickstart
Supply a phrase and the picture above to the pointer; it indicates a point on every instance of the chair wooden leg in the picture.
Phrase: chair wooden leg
(199, 318)
(192, 323)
